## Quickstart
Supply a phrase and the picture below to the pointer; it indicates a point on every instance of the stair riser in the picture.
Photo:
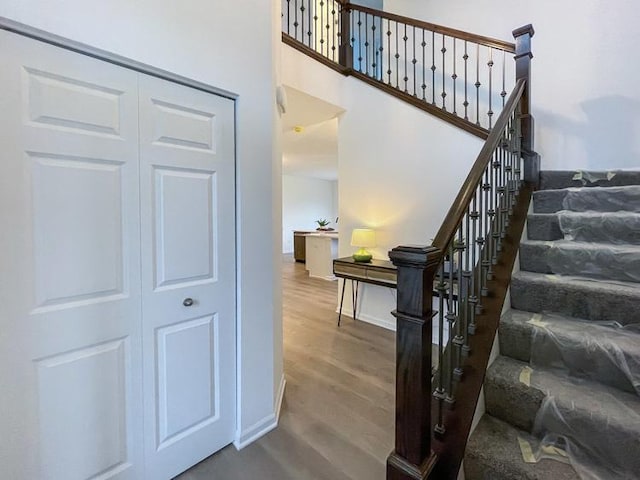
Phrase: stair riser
(588, 199)
(589, 228)
(567, 354)
(556, 179)
(602, 263)
(589, 303)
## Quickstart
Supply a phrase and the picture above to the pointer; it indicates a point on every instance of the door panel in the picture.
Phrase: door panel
(184, 235)
(70, 341)
(188, 274)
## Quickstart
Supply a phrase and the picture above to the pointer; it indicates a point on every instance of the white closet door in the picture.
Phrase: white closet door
(70, 329)
(188, 274)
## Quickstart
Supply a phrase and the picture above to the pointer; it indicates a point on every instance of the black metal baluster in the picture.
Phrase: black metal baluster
(381, 50)
(486, 251)
(310, 32)
(314, 37)
(467, 276)
(389, 50)
(495, 224)
(374, 50)
(397, 59)
(288, 17)
(473, 299)
(490, 65)
(327, 31)
(477, 84)
(366, 43)
(424, 66)
(359, 41)
(333, 31)
(444, 93)
(458, 340)
(451, 318)
(433, 68)
(321, 27)
(439, 392)
(465, 57)
(454, 76)
(295, 22)
(406, 77)
(302, 30)
(414, 61)
(503, 93)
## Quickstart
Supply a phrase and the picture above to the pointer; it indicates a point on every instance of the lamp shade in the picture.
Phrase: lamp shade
(363, 237)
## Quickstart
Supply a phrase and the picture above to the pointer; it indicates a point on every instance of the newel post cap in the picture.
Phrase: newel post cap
(526, 29)
(415, 256)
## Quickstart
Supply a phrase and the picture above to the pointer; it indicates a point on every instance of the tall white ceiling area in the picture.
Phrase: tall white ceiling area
(309, 136)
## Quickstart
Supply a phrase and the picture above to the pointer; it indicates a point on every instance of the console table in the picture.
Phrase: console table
(376, 272)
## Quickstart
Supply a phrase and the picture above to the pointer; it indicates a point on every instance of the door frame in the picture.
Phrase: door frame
(43, 36)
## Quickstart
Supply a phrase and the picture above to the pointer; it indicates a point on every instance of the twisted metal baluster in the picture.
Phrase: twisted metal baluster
(295, 21)
(333, 31)
(451, 318)
(486, 252)
(439, 393)
(458, 340)
(467, 277)
(397, 59)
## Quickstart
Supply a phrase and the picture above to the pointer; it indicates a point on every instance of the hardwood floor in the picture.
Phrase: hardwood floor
(337, 416)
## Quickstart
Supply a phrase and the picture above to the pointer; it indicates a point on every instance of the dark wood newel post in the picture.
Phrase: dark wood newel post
(523, 58)
(413, 458)
(345, 53)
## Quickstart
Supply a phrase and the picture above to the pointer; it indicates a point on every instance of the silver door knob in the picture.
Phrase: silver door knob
(187, 302)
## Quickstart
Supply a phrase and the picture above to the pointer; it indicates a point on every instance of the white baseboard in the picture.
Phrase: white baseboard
(280, 397)
(264, 426)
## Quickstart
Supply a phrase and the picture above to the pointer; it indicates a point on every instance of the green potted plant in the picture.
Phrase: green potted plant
(322, 225)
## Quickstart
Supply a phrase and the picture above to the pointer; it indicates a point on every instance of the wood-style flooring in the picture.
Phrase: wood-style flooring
(338, 410)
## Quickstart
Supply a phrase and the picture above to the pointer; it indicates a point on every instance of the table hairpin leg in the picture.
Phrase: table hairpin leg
(354, 297)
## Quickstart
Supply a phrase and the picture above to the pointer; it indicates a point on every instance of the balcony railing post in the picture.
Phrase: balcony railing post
(523, 58)
(345, 54)
(413, 458)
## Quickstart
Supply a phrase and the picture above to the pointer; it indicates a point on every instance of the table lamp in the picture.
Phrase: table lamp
(363, 238)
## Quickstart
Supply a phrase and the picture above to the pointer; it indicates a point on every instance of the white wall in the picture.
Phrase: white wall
(219, 43)
(305, 200)
(399, 168)
(584, 71)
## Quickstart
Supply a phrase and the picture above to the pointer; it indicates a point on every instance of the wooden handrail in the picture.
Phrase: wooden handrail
(460, 204)
(452, 32)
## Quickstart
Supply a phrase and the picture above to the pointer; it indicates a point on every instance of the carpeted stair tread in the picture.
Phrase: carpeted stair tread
(581, 348)
(556, 179)
(607, 227)
(514, 396)
(493, 453)
(576, 297)
(588, 259)
(600, 199)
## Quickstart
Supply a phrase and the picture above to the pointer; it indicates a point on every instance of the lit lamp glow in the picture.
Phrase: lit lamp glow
(363, 238)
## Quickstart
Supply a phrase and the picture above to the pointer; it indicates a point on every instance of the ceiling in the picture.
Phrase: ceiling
(313, 150)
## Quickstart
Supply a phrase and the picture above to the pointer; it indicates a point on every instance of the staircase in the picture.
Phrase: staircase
(562, 399)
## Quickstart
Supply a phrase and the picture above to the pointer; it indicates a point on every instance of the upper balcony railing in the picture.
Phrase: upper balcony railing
(458, 76)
